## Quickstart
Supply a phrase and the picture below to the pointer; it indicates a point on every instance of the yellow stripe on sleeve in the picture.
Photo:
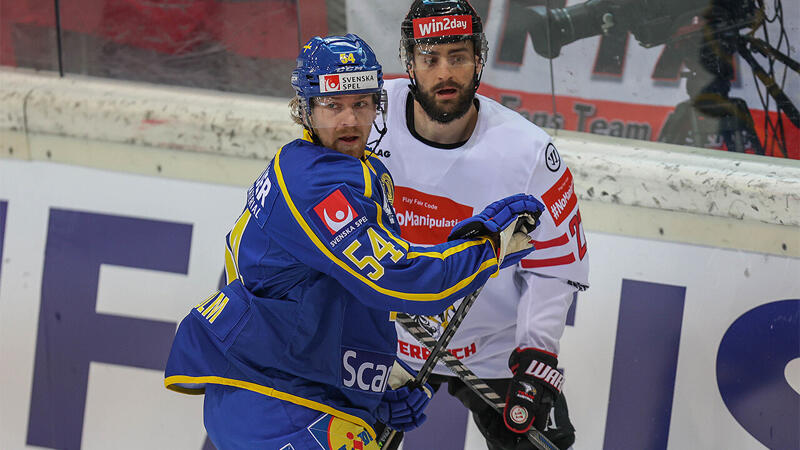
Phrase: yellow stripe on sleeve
(232, 249)
(450, 251)
(174, 382)
(367, 181)
(238, 230)
(399, 241)
(322, 248)
(231, 272)
(366, 161)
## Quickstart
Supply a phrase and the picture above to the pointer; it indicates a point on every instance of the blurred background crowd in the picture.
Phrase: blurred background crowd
(721, 74)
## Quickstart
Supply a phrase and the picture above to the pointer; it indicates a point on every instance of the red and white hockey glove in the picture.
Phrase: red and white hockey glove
(533, 389)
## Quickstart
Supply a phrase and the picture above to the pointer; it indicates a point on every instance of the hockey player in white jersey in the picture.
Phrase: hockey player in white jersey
(443, 145)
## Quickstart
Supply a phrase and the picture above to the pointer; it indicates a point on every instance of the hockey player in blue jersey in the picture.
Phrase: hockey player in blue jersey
(298, 350)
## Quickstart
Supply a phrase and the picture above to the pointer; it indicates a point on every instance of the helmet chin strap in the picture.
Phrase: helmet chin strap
(376, 142)
(413, 86)
(477, 75)
(381, 134)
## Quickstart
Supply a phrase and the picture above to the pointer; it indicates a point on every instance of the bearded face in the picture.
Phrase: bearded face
(447, 100)
(445, 79)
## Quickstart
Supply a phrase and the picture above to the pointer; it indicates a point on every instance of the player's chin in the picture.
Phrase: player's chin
(448, 107)
(350, 142)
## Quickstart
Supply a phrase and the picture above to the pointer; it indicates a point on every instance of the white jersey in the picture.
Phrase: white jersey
(436, 187)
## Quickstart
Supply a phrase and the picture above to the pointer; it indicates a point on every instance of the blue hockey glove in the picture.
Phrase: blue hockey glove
(402, 408)
(507, 222)
(533, 389)
(403, 404)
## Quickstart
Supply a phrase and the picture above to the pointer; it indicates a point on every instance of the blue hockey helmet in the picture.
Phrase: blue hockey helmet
(336, 65)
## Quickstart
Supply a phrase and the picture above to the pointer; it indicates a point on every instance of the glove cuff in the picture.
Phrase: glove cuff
(400, 374)
(403, 375)
(539, 364)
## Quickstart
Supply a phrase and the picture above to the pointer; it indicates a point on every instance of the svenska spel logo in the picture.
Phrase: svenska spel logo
(332, 83)
(335, 211)
(356, 81)
(337, 217)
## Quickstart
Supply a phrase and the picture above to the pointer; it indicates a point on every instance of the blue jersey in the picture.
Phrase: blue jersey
(315, 268)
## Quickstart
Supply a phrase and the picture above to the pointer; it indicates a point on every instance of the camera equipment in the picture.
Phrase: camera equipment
(708, 34)
(652, 22)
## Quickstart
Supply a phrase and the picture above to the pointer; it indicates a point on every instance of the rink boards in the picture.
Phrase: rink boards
(115, 199)
(674, 346)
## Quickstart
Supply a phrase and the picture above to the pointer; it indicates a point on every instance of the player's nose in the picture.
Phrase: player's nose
(444, 72)
(348, 117)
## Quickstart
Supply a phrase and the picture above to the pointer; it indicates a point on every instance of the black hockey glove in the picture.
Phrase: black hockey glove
(533, 389)
(559, 429)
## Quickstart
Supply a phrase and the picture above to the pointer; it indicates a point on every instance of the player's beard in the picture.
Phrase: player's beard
(448, 111)
(354, 148)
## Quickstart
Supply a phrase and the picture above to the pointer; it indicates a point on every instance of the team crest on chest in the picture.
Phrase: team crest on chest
(388, 188)
(388, 196)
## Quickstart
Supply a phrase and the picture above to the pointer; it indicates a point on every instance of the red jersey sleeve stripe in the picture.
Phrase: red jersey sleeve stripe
(560, 261)
(541, 245)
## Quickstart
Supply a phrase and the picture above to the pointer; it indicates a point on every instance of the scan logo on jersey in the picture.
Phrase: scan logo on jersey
(337, 216)
(364, 370)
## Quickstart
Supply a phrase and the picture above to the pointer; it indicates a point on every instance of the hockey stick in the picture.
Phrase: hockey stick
(478, 386)
(438, 349)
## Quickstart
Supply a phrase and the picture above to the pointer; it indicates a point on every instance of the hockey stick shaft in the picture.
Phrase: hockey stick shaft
(438, 349)
(478, 386)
